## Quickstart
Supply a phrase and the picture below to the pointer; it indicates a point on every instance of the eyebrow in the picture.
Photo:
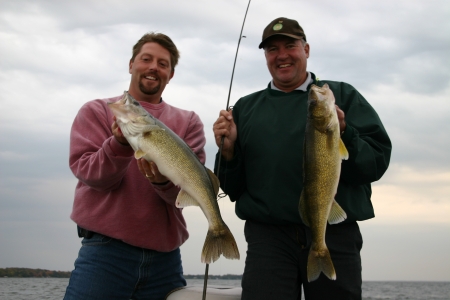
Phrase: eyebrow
(151, 55)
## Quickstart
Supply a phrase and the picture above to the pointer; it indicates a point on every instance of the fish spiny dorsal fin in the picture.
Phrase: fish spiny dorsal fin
(184, 199)
(214, 180)
(337, 214)
(343, 150)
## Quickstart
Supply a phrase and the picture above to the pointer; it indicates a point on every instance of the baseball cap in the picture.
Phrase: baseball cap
(283, 26)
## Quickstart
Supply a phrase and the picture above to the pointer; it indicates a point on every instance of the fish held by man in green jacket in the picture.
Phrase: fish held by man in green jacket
(322, 156)
(155, 142)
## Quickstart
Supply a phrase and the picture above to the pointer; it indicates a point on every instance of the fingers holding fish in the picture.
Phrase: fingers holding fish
(157, 176)
(151, 171)
(341, 118)
(144, 167)
(117, 133)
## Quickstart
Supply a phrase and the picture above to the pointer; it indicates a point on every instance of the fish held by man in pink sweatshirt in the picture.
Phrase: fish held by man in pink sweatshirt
(155, 142)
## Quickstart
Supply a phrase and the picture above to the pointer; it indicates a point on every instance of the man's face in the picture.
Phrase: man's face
(286, 60)
(151, 70)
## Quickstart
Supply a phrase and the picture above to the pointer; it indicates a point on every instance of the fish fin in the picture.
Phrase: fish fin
(184, 199)
(337, 214)
(330, 141)
(343, 150)
(149, 128)
(139, 154)
(219, 242)
(214, 180)
(320, 261)
(302, 210)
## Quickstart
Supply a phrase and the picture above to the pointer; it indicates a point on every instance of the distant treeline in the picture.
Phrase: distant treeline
(202, 276)
(25, 272)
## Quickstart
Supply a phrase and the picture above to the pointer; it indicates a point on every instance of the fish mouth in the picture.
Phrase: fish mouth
(121, 101)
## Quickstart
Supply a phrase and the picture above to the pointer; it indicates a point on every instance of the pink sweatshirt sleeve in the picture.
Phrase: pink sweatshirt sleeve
(195, 138)
(96, 158)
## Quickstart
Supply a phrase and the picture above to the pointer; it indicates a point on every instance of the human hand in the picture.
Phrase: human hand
(150, 170)
(117, 133)
(225, 128)
(341, 118)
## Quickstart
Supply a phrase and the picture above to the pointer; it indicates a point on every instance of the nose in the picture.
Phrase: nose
(282, 53)
(153, 65)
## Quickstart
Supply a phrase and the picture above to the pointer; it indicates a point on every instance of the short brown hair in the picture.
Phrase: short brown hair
(161, 39)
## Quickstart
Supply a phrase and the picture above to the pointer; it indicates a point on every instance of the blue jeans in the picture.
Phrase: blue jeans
(107, 268)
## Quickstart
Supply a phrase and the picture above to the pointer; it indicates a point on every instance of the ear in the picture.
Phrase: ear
(171, 75)
(130, 66)
(307, 50)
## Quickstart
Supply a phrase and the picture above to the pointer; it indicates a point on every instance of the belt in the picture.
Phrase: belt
(84, 233)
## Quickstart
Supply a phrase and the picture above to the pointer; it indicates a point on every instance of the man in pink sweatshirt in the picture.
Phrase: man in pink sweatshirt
(125, 209)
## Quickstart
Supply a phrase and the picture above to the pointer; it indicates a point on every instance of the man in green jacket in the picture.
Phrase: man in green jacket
(261, 169)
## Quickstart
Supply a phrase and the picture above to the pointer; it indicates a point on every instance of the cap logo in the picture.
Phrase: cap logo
(277, 27)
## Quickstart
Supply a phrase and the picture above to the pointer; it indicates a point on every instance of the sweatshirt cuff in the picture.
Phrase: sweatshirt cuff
(226, 164)
(168, 192)
(119, 149)
(163, 187)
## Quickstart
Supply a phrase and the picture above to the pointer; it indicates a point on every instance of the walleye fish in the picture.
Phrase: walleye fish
(154, 141)
(323, 152)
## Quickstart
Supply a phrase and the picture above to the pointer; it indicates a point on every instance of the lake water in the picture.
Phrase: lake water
(54, 288)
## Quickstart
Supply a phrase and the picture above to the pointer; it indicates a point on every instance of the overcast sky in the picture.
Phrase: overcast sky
(57, 55)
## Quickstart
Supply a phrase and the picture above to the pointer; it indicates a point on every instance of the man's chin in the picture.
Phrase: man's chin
(283, 80)
(148, 91)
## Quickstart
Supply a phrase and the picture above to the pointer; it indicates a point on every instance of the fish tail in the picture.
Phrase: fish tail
(320, 261)
(219, 242)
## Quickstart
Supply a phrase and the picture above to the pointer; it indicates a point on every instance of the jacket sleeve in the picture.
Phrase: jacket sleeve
(96, 158)
(366, 140)
(195, 139)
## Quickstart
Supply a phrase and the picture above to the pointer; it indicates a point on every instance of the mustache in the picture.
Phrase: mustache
(152, 74)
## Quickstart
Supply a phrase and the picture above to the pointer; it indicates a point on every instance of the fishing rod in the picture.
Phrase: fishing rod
(205, 283)
(231, 84)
